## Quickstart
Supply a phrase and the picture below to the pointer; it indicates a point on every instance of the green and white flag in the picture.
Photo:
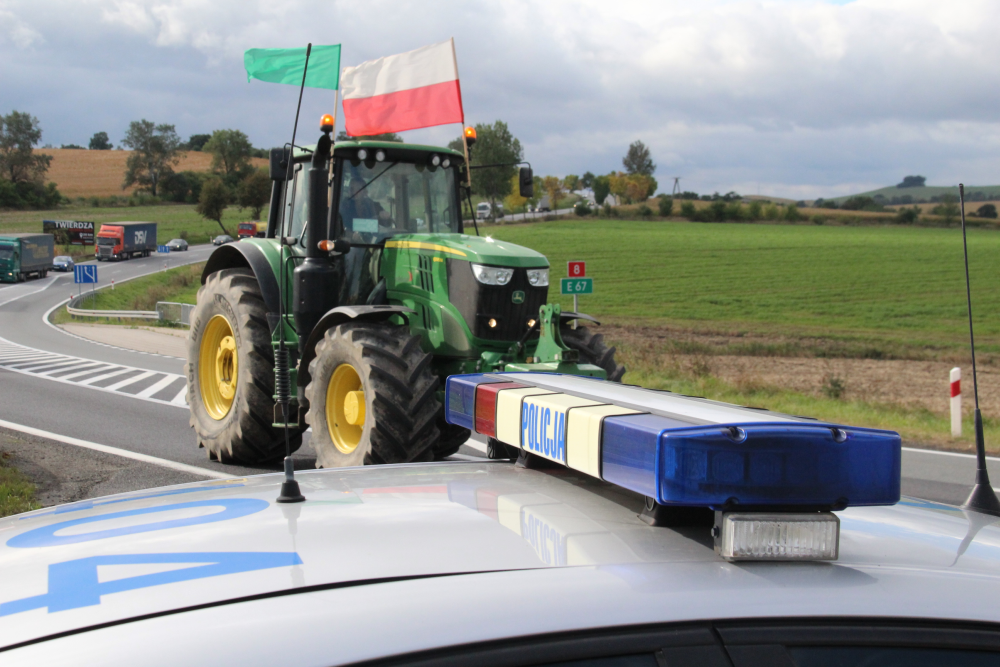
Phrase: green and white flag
(286, 65)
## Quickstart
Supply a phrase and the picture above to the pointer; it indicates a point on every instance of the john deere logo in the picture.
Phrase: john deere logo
(517, 296)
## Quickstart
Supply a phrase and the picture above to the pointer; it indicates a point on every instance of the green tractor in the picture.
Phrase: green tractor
(367, 288)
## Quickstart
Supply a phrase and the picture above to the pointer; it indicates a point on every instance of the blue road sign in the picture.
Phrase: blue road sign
(85, 273)
(162, 248)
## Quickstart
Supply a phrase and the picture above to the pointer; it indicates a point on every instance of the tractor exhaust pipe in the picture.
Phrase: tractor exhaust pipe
(316, 282)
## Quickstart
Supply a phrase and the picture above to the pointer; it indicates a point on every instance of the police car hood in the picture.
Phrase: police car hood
(163, 550)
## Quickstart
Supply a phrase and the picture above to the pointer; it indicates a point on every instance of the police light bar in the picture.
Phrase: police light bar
(682, 451)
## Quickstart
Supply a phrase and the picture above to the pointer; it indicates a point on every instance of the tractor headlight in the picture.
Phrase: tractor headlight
(492, 275)
(538, 277)
(446, 163)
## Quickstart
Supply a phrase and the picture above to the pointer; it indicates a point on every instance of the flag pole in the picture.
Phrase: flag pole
(465, 141)
(336, 105)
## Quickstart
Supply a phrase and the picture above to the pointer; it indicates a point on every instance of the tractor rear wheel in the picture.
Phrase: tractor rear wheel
(230, 372)
(593, 350)
(452, 437)
(371, 397)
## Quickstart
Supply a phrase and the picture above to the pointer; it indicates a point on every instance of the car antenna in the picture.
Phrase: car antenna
(983, 498)
(290, 492)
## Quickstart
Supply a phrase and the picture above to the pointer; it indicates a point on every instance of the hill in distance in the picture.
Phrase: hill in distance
(926, 192)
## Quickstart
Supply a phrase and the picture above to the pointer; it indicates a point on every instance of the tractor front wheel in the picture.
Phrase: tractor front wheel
(371, 397)
(593, 350)
(230, 372)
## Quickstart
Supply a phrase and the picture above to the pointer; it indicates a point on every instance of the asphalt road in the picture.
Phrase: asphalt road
(142, 415)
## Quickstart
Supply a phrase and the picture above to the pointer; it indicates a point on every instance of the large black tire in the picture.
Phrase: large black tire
(593, 350)
(244, 434)
(400, 408)
(452, 437)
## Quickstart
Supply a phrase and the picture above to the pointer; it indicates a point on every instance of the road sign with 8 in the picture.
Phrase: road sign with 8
(576, 269)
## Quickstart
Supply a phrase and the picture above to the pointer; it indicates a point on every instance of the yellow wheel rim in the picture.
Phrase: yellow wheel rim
(218, 367)
(345, 408)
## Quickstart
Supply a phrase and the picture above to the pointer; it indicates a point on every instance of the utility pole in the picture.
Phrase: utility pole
(677, 186)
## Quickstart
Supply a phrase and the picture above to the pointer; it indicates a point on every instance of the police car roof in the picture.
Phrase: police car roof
(441, 554)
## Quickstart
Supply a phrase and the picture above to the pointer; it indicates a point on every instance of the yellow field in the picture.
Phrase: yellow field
(86, 173)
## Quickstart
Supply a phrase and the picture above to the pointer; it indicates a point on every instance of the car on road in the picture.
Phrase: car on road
(222, 239)
(527, 563)
(62, 263)
(177, 245)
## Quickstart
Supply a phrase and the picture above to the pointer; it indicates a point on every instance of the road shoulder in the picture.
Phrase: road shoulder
(64, 473)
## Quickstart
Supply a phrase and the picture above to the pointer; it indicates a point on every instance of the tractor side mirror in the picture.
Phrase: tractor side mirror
(526, 183)
(279, 165)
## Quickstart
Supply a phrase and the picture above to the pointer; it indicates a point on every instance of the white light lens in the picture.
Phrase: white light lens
(538, 277)
(435, 160)
(380, 156)
(492, 275)
(446, 163)
(362, 154)
(753, 536)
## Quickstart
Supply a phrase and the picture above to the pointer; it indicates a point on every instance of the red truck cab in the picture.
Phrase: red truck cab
(250, 229)
(124, 240)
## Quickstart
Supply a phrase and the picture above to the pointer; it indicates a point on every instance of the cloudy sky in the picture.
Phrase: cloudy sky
(797, 98)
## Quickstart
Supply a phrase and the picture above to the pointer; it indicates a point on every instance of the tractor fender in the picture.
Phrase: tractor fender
(569, 316)
(336, 317)
(247, 255)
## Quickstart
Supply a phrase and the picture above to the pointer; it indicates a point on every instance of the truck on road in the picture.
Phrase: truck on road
(25, 255)
(251, 229)
(124, 240)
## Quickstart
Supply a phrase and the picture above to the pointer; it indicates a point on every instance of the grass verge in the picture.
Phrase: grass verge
(914, 424)
(179, 285)
(17, 493)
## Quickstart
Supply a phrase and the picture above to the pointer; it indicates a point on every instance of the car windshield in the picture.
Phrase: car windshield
(176, 241)
(103, 240)
(381, 199)
(6, 251)
(62, 258)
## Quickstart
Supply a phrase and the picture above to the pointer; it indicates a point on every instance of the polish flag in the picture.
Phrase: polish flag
(403, 92)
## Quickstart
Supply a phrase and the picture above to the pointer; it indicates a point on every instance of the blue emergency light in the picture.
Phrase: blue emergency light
(679, 450)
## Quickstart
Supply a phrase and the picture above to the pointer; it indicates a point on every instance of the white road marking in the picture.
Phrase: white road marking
(105, 376)
(917, 450)
(145, 458)
(66, 369)
(476, 445)
(157, 387)
(181, 397)
(132, 380)
(97, 367)
(11, 300)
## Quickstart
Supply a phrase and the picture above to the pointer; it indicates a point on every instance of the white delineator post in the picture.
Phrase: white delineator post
(956, 402)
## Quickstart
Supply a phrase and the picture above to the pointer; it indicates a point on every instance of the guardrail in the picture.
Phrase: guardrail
(166, 311)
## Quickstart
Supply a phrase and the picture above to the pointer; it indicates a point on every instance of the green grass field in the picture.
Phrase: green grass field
(899, 289)
(172, 219)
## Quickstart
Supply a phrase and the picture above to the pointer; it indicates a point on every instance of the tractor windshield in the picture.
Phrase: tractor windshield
(381, 199)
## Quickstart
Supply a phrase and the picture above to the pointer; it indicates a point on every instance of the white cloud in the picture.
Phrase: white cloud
(807, 96)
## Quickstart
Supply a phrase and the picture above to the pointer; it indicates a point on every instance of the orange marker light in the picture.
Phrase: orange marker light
(326, 123)
(470, 134)
(326, 245)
